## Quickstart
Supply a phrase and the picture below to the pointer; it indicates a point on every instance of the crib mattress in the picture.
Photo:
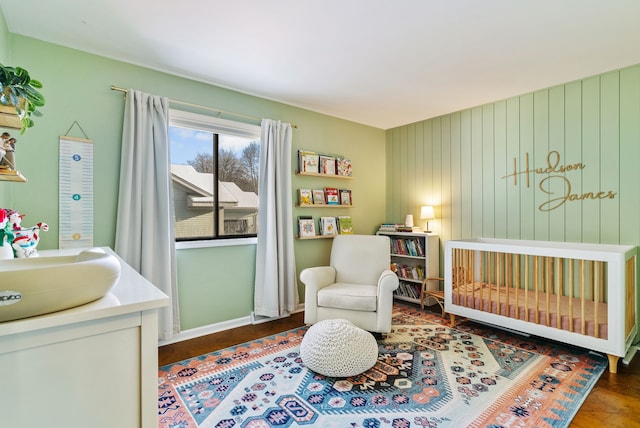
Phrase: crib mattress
(566, 313)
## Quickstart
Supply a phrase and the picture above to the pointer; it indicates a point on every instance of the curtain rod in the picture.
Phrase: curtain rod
(216, 110)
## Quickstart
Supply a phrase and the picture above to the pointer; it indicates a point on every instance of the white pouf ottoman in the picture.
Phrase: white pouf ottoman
(337, 348)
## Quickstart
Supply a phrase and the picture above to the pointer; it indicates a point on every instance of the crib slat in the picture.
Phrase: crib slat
(508, 276)
(547, 283)
(497, 260)
(526, 287)
(583, 286)
(571, 290)
(596, 297)
(470, 276)
(517, 286)
(559, 290)
(536, 285)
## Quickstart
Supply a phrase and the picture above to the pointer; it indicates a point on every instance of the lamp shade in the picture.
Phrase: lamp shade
(426, 213)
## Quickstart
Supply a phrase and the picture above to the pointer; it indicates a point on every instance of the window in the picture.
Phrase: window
(214, 171)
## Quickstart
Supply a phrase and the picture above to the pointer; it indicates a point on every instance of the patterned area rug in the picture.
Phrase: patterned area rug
(427, 375)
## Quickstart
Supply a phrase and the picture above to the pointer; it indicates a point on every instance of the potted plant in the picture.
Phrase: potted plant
(20, 96)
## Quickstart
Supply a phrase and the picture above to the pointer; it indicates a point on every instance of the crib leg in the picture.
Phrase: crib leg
(613, 363)
(452, 318)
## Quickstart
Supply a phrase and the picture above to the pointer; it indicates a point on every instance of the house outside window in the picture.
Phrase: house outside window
(214, 171)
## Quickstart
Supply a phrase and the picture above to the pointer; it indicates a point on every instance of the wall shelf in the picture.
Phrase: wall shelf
(13, 176)
(307, 238)
(317, 174)
(322, 206)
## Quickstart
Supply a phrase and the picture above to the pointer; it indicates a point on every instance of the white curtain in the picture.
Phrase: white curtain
(276, 288)
(144, 228)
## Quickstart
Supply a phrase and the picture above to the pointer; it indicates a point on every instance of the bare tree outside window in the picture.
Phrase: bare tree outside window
(203, 162)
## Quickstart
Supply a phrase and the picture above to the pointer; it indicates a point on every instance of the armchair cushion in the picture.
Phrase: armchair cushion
(355, 297)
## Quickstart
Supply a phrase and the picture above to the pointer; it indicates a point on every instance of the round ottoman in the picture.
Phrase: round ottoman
(337, 348)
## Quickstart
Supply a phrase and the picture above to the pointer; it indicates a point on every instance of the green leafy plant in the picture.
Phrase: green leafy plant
(17, 88)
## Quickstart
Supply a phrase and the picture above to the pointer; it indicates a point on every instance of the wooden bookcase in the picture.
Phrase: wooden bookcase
(415, 256)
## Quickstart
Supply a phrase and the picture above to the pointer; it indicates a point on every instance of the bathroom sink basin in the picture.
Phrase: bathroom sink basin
(41, 285)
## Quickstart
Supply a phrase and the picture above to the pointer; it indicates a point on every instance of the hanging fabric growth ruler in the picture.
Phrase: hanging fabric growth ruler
(76, 193)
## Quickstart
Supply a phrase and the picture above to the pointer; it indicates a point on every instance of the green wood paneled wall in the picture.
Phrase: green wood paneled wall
(463, 163)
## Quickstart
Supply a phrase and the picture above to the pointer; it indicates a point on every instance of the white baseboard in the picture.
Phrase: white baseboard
(206, 329)
(221, 326)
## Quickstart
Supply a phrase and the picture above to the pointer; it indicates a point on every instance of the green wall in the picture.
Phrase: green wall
(216, 284)
(464, 163)
(4, 59)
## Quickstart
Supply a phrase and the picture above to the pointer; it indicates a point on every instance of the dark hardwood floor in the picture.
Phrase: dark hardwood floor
(613, 403)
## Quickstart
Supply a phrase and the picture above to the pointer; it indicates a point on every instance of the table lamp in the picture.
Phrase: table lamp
(426, 213)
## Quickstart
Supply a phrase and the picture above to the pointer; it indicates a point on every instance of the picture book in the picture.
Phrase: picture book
(344, 225)
(331, 196)
(318, 197)
(305, 197)
(343, 167)
(306, 227)
(327, 165)
(307, 161)
(345, 197)
(328, 226)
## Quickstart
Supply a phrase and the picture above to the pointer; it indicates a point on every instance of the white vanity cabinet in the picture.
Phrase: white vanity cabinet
(95, 365)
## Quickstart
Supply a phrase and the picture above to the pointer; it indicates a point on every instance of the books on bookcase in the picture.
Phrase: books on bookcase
(318, 197)
(331, 196)
(343, 167)
(327, 165)
(305, 197)
(308, 161)
(344, 225)
(345, 197)
(306, 227)
(328, 226)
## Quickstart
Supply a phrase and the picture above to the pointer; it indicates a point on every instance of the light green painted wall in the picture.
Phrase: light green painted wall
(457, 162)
(4, 59)
(4, 40)
(215, 284)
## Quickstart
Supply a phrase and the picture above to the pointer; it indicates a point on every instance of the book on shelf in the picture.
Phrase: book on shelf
(407, 289)
(328, 226)
(344, 225)
(345, 197)
(403, 228)
(306, 227)
(327, 165)
(307, 161)
(305, 197)
(318, 197)
(388, 227)
(343, 167)
(331, 196)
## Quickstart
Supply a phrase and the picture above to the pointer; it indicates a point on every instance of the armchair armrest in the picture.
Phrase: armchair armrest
(315, 278)
(388, 282)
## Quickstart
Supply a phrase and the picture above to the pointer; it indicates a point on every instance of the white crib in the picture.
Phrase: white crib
(580, 294)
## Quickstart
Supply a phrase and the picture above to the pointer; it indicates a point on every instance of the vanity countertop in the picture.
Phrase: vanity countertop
(132, 293)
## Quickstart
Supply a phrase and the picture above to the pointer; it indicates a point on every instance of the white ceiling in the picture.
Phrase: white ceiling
(383, 63)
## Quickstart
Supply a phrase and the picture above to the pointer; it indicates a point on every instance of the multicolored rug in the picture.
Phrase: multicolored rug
(427, 375)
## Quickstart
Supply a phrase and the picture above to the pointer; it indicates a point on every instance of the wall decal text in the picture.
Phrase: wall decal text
(556, 175)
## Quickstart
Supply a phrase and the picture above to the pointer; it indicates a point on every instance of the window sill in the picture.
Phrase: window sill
(213, 243)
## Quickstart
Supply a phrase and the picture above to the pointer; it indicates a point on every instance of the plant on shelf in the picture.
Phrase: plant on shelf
(20, 92)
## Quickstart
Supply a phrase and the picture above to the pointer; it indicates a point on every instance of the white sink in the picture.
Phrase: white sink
(41, 285)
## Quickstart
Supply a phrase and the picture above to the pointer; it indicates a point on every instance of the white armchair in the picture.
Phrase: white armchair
(358, 284)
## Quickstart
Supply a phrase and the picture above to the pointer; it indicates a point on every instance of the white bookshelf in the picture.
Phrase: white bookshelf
(416, 256)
